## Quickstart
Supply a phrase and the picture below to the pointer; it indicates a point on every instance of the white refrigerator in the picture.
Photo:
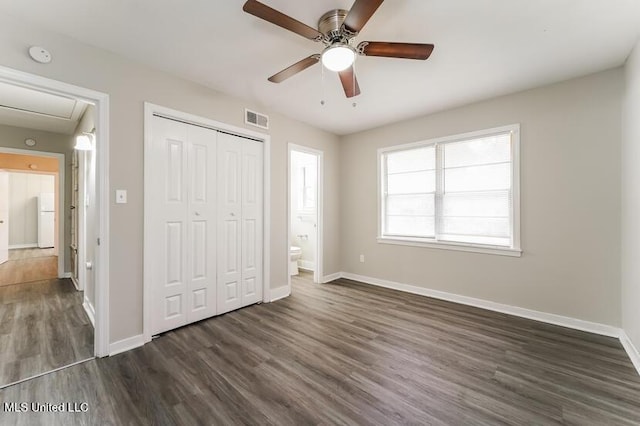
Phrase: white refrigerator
(46, 220)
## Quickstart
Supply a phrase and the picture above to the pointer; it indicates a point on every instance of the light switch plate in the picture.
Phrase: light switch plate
(121, 196)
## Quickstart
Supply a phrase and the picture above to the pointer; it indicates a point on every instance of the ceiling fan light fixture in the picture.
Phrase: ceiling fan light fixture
(338, 57)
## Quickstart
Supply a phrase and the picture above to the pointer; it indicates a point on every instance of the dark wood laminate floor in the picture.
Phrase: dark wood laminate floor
(348, 353)
(42, 327)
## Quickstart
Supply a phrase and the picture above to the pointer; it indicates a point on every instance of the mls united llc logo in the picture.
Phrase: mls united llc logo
(38, 407)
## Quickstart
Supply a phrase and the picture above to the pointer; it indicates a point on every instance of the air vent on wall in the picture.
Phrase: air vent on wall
(256, 119)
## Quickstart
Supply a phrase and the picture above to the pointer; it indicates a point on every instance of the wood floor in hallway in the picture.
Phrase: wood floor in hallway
(349, 353)
(27, 265)
(43, 326)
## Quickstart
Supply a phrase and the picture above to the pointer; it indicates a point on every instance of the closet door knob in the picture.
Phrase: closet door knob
(1, 221)
(233, 214)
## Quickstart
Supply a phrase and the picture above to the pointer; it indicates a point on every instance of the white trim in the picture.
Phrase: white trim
(280, 293)
(91, 312)
(81, 254)
(332, 277)
(75, 282)
(515, 247)
(632, 351)
(23, 246)
(126, 344)
(60, 213)
(475, 248)
(149, 111)
(577, 324)
(67, 275)
(317, 268)
(101, 102)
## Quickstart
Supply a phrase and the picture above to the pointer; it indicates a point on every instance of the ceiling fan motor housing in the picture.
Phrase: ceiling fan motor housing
(330, 24)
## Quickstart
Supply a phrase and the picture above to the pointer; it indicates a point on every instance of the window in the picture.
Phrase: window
(459, 192)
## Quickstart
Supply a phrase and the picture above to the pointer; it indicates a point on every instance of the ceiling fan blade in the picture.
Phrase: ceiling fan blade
(294, 69)
(263, 11)
(396, 50)
(360, 13)
(349, 82)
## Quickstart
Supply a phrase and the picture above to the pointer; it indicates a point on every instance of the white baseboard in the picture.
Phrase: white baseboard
(126, 344)
(91, 312)
(280, 293)
(577, 324)
(23, 246)
(67, 275)
(632, 351)
(332, 277)
(75, 282)
(307, 265)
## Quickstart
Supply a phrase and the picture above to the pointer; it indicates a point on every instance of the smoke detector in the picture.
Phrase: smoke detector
(40, 54)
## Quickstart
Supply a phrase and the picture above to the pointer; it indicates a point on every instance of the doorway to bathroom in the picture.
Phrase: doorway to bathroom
(305, 212)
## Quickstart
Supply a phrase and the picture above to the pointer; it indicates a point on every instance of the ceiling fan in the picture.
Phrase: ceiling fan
(336, 30)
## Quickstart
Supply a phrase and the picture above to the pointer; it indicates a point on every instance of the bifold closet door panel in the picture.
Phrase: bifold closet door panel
(229, 222)
(169, 236)
(202, 242)
(252, 222)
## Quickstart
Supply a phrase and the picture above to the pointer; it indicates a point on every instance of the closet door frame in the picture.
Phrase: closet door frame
(151, 110)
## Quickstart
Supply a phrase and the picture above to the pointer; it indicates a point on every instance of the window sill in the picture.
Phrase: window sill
(475, 248)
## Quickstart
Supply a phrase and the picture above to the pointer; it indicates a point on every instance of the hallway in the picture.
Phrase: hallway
(27, 265)
(43, 326)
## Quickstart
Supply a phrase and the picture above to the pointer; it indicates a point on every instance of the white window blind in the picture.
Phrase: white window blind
(458, 191)
(411, 189)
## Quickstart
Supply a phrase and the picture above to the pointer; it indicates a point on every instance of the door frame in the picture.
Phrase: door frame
(317, 273)
(62, 253)
(151, 110)
(101, 102)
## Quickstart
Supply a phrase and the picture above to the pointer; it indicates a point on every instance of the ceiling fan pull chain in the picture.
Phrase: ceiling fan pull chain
(353, 87)
(321, 84)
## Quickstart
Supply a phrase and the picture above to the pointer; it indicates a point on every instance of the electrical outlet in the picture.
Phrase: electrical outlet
(362, 258)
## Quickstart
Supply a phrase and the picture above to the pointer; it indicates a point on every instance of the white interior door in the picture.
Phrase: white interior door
(252, 184)
(4, 216)
(201, 279)
(170, 202)
(184, 159)
(229, 216)
(89, 233)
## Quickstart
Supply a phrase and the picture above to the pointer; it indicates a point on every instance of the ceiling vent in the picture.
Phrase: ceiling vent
(256, 119)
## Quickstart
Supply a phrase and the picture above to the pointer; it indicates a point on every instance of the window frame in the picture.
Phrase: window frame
(514, 250)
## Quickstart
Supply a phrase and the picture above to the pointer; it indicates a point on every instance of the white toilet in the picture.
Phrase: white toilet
(295, 253)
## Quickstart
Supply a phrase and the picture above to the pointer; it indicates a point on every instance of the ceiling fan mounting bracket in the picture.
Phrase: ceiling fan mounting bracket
(331, 26)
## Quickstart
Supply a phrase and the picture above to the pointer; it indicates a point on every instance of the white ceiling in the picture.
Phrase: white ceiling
(32, 109)
(484, 48)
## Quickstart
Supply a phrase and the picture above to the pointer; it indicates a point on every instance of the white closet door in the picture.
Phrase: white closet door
(201, 299)
(229, 215)
(184, 202)
(170, 151)
(252, 190)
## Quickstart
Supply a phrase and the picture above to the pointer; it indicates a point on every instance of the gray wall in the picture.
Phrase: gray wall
(13, 137)
(129, 85)
(570, 203)
(631, 200)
